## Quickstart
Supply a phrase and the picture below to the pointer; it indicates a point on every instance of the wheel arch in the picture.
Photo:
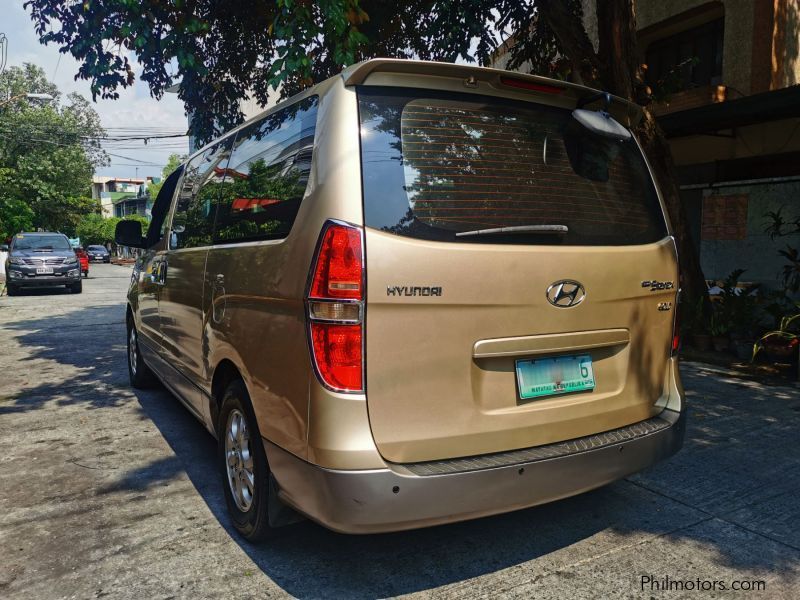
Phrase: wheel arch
(225, 372)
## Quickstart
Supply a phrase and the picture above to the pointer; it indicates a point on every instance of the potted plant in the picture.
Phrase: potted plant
(781, 344)
(720, 327)
(739, 304)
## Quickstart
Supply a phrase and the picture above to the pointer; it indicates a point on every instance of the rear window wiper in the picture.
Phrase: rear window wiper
(539, 229)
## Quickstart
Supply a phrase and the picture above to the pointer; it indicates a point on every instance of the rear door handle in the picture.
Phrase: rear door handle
(218, 298)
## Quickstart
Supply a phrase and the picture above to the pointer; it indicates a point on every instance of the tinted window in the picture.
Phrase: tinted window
(193, 219)
(267, 175)
(688, 59)
(40, 242)
(438, 164)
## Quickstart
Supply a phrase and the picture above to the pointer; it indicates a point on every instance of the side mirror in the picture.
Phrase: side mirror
(129, 233)
(4, 248)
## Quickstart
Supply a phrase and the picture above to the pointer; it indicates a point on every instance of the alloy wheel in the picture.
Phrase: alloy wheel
(239, 460)
(133, 359)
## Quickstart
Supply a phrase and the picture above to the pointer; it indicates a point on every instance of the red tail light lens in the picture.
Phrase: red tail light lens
(339, 269)
(337, 350)
(676, 329)
(335, 308)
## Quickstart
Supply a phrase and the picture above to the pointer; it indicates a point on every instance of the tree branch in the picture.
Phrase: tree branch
(572, 38)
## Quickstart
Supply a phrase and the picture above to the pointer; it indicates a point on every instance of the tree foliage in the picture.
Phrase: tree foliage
(173, 162)
(96, 230)
(48, 153)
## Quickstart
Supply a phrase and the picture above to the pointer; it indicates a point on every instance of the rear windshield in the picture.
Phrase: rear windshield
(40, 242)
(436, 164)
(97, 248)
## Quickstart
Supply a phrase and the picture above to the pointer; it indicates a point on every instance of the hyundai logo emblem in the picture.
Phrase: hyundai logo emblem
(565, 293)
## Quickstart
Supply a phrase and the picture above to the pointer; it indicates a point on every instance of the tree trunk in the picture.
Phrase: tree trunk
(656, 147)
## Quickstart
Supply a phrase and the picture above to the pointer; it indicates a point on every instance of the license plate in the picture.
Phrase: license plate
(557, 375)
(44, 270)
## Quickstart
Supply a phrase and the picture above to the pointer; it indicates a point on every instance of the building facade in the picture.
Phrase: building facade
(733, 122)
(119, 196)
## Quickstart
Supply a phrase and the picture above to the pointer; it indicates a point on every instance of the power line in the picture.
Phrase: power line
(142, 162)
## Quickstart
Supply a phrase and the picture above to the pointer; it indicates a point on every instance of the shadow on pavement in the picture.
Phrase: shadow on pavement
(90, 340)
(45, 291)
(309, 561)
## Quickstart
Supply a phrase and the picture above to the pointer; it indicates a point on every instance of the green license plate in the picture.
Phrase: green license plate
(551, 376)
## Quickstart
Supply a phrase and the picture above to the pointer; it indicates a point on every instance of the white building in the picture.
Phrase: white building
(109, 190)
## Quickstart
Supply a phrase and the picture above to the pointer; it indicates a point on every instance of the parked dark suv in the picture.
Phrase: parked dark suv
(41, 260)
(98, 253)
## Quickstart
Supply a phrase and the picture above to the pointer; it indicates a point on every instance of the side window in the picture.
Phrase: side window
(193, 219)
(267, 175)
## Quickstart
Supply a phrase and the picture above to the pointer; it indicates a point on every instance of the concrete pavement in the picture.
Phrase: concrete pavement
(107, 492)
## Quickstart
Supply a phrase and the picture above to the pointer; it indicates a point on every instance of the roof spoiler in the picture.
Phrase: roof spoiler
(626, 112)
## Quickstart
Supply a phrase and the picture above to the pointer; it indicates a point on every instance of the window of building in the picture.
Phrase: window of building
(688, 59)
(267, 175)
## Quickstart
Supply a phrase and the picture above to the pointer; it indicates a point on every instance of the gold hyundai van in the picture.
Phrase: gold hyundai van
(414, 294)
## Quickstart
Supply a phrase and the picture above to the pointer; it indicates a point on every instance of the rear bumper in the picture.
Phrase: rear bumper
(397, 497)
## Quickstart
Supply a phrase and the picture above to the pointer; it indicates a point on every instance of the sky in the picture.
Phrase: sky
(134, 109)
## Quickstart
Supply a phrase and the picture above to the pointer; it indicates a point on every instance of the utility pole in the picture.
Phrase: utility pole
(3, 52)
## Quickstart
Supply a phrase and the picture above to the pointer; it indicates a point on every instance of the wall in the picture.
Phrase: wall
(744, 245)
(751, 140)
(106, 205)
(785, 57)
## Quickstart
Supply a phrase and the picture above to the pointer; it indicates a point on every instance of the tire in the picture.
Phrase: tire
(251, 519)
(12, 290)
(77, 287)
(140, 375)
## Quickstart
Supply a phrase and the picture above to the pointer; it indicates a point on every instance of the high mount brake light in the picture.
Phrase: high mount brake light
(530, 85)
(335, 303)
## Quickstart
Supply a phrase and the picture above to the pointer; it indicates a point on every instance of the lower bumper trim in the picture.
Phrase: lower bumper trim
(537, 453)
(393, 499)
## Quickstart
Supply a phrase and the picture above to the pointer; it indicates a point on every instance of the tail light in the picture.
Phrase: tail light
(335, 303)
(676, 327)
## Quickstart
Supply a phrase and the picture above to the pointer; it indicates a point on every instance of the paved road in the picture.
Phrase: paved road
(106, 492)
